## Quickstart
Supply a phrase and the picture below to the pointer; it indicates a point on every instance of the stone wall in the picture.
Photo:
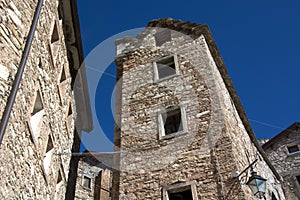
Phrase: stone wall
(214, 143)
(286, 163)
(36, 150)
(98, 175)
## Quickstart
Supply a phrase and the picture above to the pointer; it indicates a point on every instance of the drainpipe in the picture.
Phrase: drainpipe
(18, 78)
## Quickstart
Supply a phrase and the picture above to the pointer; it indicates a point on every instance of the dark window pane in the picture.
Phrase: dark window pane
(184, 195)
(293, 149)
(86, 182)
(166, 67)
(173, 122)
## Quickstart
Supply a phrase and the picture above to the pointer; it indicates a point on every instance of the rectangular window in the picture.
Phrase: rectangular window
(182, 195)
(180, 191)
(162, 37)
(293, 149)
(171, 122)
(165, 67)
(87, 181)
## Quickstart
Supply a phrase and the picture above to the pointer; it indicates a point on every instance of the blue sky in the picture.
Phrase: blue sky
(258, 40)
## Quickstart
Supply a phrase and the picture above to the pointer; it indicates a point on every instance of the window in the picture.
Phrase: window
(62, 85)
(70, 118)
(48, 154)
(162, 37)
(298, 179)
(86, 182)
(59, 177)
(36, 118)
(172, 121)
(293, 149)
(59, 183)
(184, 195)
(273, 196)
(165, 67)
(54, 41)
(180, 191)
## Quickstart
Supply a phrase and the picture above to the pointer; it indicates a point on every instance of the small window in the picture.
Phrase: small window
(54, 36)
(38, 104)
(70, 110)
(87, 181)
(165, 67)
(293, 149)
(48, 154)
(59, 177)
(183, 195)
(35, 121)
(180, 191)
(273, 196)
(298, 179)
(63, 76)
(54, 41)
(162, 37)
(62, 85)
(172, 121)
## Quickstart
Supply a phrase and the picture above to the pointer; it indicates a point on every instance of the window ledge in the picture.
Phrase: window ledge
(173, 135)
(293, 154)
(166, 78)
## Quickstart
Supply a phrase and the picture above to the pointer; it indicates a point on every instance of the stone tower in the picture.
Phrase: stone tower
(181, 131)
(36, 149)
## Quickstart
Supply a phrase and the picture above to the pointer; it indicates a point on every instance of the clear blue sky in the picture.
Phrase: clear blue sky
(258, 40)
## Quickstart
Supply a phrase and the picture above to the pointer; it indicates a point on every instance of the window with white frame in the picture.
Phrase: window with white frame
(165, 67)
(87, 182)
(162, 37)
(180, 191)
(172, 121)
(293, 149)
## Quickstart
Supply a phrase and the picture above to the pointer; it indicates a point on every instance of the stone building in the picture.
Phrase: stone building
(283, 150)
(94, 178)
(181, 131)
(36, 149)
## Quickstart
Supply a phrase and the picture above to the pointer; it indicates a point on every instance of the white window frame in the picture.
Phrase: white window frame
(291, 145)
(161, 128)
(82, 183)
(156, 74)
(180, 187)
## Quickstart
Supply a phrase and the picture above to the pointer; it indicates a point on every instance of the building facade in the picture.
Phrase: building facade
(36, 149)
(94, 179)
(284, 152)
(181, 132)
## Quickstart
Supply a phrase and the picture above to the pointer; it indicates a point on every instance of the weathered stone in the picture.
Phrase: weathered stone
(216, 139)
(36, 149)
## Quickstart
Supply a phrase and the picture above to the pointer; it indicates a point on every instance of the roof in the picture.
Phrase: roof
(73, 42)
(291, 129)
(196, 30)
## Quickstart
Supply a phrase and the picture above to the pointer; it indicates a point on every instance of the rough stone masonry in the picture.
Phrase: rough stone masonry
(213, 141)
(36, 150)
